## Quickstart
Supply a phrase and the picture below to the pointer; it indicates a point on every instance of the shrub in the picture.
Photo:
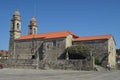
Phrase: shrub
(80, 50)
(118, 51)
(98, 62)
(1, 54)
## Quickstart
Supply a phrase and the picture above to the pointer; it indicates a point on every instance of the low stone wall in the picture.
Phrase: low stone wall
(18, 63)
(67, 65)
(58, 64)
(118, 66)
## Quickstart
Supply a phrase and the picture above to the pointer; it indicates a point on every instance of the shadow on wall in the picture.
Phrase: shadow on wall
(72, 56)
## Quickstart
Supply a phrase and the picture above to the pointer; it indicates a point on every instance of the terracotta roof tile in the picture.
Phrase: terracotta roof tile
(93, 38)
(4, 53)
(49, 35)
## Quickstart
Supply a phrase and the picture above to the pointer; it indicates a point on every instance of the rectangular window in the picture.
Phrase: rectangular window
(54, 43)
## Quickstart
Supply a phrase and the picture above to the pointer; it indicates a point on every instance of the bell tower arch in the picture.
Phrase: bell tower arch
(32, 28)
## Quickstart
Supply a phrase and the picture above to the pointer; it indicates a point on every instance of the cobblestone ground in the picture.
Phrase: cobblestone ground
(28, 74)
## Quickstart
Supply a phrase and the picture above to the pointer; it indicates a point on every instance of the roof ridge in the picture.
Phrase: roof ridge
(97, 35)
(54, 32)
(48, 35)
(93, 37)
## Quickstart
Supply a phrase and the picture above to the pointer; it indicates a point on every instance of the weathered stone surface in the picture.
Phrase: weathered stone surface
(48, 49)
(99, 48)
(53, 64)
(67, 64)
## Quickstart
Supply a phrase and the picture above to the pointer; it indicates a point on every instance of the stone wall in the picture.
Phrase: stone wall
(112, 53)
(69, 40)
(56, 64)
(23, 48)
(18, 63)
(53, 48)
(49, 49)
(118, 66)
(99, 49)
(67, 65)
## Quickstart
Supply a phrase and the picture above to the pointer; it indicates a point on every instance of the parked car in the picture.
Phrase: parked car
(1, 66)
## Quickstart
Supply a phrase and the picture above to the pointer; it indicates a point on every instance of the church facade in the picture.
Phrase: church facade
(50, 46)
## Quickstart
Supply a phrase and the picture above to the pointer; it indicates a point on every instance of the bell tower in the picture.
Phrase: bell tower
(15, 31)
(32, 28)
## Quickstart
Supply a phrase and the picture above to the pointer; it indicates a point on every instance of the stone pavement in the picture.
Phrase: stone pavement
(29, 74)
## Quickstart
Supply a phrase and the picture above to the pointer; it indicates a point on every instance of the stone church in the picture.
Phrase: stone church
(50, 46)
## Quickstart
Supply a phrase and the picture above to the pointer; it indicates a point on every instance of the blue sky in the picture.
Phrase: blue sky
(82, 17)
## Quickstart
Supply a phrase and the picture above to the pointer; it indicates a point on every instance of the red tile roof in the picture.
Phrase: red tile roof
(93, 38)
(4, 53)
(49, 35)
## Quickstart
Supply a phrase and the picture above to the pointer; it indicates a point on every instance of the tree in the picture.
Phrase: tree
(118, 51)
(97, 61)
(1, 54)
(78, 51)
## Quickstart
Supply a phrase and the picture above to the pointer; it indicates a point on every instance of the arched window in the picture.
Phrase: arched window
(30, 30)
(18, 26)
(34, 31)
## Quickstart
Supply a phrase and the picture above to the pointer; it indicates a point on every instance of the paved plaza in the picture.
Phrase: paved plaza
(29, 74)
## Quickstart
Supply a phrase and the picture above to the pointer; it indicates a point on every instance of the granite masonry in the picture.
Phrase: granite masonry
(44, 51)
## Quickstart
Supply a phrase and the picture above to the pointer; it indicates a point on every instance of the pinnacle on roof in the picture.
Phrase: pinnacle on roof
(16, 13)
(33, 19)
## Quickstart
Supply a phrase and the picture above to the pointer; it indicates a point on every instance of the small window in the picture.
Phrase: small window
(54, 43)
(33, 56)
